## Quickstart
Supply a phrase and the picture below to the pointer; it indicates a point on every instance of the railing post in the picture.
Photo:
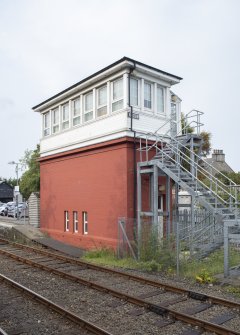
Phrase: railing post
(146, 149)
(139, 209)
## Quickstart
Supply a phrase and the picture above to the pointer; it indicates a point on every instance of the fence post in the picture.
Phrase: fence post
(177, 246)
(226, 250)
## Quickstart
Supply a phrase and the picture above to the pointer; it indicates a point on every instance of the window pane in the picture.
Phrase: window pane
(47, 120)
(160, 100)
(46, 124)
(102, 96)
(76, 120)
(147, 95)
(89, 101)
(65, 125)
(88, 116)
(76, 107)
(117, 105)
(56, 116)
(65, 112)
(55, 129)
(134, 92)
(102, 111)
(117, 89)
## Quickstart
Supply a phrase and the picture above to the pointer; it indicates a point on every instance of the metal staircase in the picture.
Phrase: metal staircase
(179, 159)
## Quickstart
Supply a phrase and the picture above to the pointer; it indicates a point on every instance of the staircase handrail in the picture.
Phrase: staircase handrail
(209, 165)
(185, 169)
(186, 158)
(189, 115)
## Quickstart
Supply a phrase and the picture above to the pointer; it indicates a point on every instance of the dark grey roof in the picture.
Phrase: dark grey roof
(102, 70)
(220, 166)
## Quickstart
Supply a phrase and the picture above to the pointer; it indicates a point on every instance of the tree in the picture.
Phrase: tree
(206, 146)
(30, 180)
(10, 181)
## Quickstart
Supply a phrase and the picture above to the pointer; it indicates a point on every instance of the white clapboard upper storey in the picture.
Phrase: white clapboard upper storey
(124, 97)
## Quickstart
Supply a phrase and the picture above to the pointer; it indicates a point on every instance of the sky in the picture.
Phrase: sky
(49, 45)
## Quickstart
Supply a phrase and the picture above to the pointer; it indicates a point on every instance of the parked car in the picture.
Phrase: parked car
(21, 210)
(9, 207)
(3, 209)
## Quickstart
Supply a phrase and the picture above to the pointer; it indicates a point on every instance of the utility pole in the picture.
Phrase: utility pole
(17, 187)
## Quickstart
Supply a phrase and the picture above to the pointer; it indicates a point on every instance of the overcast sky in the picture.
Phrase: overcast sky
(48, 45)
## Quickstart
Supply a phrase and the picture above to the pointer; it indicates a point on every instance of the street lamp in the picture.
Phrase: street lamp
(16, 169)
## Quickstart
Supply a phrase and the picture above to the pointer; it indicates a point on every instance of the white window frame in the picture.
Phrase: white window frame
(75, 117)
(75, 221)
(65, 121)
(100, 106)
(118, 99)
(88, 111)
(163, 90)
(54, 124)
(47, 128)
(85, 222)
(152, 97)
(66, 220)
(138, 92)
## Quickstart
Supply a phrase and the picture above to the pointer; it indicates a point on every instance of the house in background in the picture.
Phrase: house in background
(6, 192)
(89, 150)
(217, 161)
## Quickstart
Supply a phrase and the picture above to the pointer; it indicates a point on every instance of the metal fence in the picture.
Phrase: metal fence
(194, 234)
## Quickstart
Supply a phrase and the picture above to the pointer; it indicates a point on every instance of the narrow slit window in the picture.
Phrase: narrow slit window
(85, 223)
(66, 220)
(75, 221)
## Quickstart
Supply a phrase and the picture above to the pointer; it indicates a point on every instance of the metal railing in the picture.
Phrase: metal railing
(186, 160)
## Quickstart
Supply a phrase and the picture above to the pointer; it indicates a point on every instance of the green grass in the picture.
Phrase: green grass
(108, 257)
(214, 264)
(206, 268)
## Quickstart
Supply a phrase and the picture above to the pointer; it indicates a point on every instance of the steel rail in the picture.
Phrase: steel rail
(167, 287)
(2, 332)
(57, 308)
(155, 308)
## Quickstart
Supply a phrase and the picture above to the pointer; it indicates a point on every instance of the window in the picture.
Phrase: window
(133, 92)
(55, 120)
(147, 95)
(65, 116)
(160, 99)
(46, 124)
(102, 101)
(88, 107)
(117, 95)
(76, 112)
(66, 220)
(85, 223)
(75, 222)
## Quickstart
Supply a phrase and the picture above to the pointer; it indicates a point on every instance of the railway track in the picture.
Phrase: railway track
(168, 309)
(24, 311)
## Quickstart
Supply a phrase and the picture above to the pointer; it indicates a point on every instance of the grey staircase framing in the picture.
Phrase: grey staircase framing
(179, 159)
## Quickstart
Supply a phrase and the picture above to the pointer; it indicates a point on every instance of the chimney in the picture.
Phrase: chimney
(218, 156)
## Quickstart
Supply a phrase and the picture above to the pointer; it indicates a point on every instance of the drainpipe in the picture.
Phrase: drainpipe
(134, 146)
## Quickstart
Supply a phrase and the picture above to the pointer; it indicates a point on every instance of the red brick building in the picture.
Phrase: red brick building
(90, 137)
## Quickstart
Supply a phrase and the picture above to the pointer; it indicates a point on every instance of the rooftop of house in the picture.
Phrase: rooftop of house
(218, 161)
(122, 63)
